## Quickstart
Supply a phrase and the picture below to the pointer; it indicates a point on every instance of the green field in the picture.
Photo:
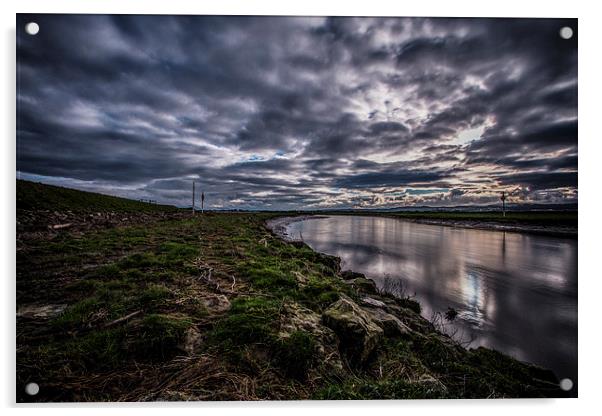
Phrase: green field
(215, 307)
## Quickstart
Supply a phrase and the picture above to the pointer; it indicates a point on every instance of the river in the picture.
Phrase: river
(514, 292)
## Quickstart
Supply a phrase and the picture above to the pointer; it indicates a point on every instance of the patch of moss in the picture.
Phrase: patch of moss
(158, 335)
(270, 277)
(295, 354)
(79, 313)
(249, 321)
(154, 296)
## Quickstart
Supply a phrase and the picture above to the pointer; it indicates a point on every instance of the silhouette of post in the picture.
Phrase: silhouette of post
(202, 202)
(503, 198)
(192, 197)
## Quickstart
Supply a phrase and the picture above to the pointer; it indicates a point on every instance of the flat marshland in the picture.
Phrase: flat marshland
(128, 301)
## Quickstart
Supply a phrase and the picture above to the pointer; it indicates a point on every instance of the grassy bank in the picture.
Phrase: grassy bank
(215, 307)
(556, 218)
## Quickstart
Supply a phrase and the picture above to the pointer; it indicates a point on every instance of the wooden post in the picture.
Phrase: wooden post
(202, 202)
(192, 197)
(503, 198)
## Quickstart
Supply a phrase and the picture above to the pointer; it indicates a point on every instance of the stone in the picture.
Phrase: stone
(357, 332)
(361, 284)
(373, 302)
(391, 325)
(192, 341)
(40, 311)
(350, 275)
(295, 318)
(216, 303)
(332, 262)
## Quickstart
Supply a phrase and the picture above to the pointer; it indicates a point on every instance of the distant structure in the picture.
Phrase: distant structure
(192, 197)
(202, 202)
(503, 198)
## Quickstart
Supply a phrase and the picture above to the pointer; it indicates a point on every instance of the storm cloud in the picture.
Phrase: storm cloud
(300, 112)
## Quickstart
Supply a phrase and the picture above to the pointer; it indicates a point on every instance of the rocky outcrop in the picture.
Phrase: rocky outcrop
(357, 332)
(375, 303)
(391, 325)
(350, 274)
(361, 284)
(296, 318)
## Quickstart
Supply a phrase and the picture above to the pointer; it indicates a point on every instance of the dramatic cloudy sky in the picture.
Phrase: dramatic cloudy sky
(298, 112)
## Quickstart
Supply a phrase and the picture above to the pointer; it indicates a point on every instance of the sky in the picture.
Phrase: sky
(281, 113)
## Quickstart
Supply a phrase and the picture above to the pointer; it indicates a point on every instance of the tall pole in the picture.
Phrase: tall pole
(503, 198)
(202, 202)
(192, 197)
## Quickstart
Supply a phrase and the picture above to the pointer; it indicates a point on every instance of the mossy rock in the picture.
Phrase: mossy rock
(358, 334)
(363, 285)
(350, 275)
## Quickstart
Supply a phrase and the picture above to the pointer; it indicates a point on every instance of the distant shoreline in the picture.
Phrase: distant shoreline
(279, 225)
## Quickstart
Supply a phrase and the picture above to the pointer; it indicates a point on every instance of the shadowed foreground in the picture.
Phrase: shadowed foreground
(122, 301)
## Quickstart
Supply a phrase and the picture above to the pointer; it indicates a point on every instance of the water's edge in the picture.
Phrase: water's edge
(278, 227)
(279, 224)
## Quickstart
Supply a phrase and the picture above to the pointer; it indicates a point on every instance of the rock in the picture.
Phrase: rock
(216, 303)
(298, 318)
(192, 341)
(332, 262)
(40, 311)
(373, 302)
(357, 332)
(388, 322)
(362, 284)
(349, 275)
(295, 318)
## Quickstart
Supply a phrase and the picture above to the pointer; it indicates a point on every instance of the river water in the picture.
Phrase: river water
(515, 292)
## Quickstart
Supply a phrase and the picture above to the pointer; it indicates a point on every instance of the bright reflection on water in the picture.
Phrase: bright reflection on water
(516, 293)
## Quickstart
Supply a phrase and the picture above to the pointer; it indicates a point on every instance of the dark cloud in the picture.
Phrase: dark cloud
(296, 112)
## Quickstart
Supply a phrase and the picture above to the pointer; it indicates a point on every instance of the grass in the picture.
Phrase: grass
(134, 292)
(568, 218)
(32, 196)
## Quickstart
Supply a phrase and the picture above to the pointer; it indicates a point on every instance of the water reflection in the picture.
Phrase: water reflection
(514, 292)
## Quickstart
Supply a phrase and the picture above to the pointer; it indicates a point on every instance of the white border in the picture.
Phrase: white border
(590, 24)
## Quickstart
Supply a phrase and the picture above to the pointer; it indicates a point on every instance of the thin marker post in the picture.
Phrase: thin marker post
(192, 197)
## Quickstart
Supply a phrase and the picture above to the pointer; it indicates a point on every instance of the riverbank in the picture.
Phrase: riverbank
(553, 224)
(564, 228)
(217, 307)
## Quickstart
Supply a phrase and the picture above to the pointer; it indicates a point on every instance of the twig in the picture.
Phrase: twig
(123, 318)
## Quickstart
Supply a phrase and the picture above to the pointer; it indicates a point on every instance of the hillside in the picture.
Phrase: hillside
(37, 196)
